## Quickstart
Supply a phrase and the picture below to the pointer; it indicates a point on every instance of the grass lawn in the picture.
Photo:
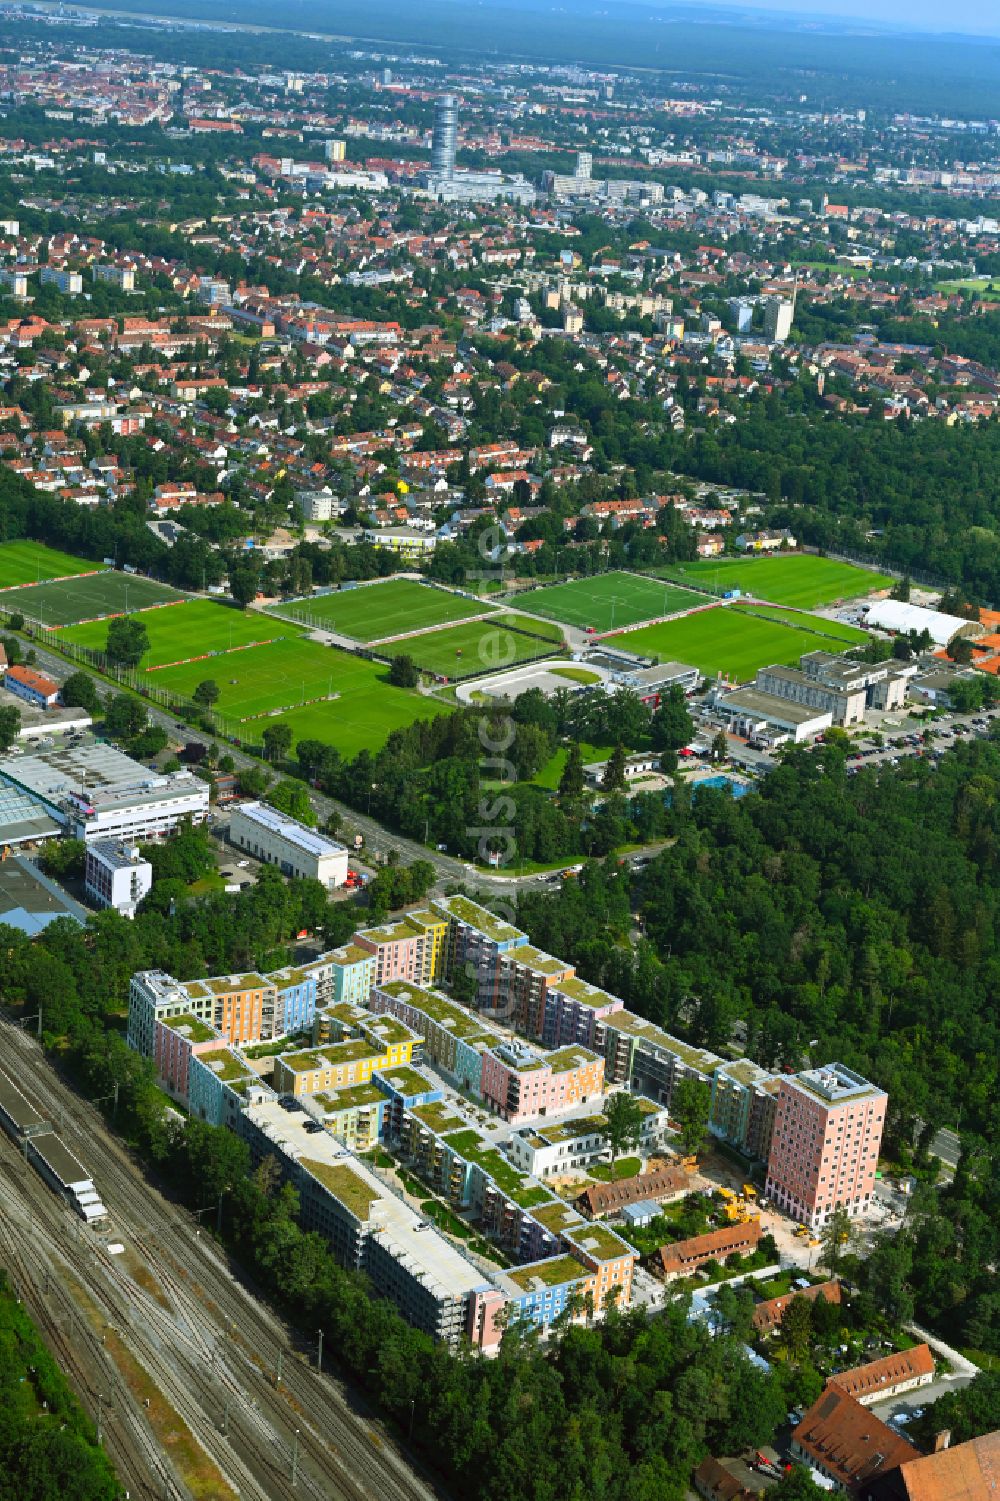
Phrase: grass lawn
(609, 600)
(72, 600)
(194, 628)
(577, 674)
(362, 718)
(548, 630)
(30, 562)
(802, 580)
(457, 651)
(373, 611)
(822, 626)
(726, 640)
(550, 773)
(625, 1167)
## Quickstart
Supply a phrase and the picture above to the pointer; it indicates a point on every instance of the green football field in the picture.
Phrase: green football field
(30, 562)
(802, 580)
(87, 598)
(729, 640)
(458, 651)
(818, 624)
(194, 627)
(606, 602)
(374, 611)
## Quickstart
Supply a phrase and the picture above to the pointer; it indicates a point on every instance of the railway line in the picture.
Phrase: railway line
(210, 1347)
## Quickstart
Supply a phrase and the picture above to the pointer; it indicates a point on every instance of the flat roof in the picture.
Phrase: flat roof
(419, 1248)
(24, 816)
(770, 706)
(474, 916)
(543, 1274)
(408, 1081)
(599, 1242)
(586, 995)
(67, 1168)
(30, 900)
(538, 960)
(291, 829)
(190, 1026)
(834, 1082)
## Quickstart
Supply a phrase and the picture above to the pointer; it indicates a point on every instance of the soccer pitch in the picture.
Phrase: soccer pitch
(30, 562)
(458, 651)
(803, 580)
(190, 629)
(87, 598)
(607, 601)
(818, 624)
(373, 611)
(368, 710)
(731, 641)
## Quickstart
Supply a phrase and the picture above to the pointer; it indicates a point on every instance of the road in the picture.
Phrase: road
(377, 840)
(206, 1343)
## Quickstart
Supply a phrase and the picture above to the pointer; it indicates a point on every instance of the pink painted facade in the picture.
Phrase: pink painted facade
(484, 1325)
(172, 1054)
(824, 1148)
(523, 1084)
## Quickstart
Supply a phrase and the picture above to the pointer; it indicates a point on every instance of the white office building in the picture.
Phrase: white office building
(116, 876)
(297, 850)
(97, 792)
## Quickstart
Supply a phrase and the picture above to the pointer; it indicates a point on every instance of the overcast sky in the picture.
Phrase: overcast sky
(974, 16)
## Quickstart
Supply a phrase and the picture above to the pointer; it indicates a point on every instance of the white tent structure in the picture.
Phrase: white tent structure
(895, 615)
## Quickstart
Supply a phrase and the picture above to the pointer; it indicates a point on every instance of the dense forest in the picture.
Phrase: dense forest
(47, 1444)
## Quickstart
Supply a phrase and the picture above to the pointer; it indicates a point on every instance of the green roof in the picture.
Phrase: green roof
(437, 1115)
(474, 1148)
(227, 984)
(589, 1125)
(195, 1030)
(447, 1014)
(387, 1029)
(474, 916)
(539, 961)
(353, 1192)
(224, 1064)
(349, 1098)
(587, 995)
(636, 1026)
(406, 1081)
(389, 933)
(549, 1273)
(564, 1059)
(599, 1242)
(351, 953)
(557, 1216)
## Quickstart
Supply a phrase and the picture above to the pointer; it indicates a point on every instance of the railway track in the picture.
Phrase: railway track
(215, 1351)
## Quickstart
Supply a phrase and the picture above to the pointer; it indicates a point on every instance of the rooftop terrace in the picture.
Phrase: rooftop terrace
(190, 1027)
(542, 1274)
(352, 1191)
(599, 1242)
(225, 1064)
(474, 916)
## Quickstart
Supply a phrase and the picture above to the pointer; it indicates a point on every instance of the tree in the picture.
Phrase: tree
(206, 693)
(689, 1106)
(571, 780)
(277, 739)
(80, 691)
(796, 1327)
(796, 1485)
(960, 651)
(128, 641)
(404, 672)
(64, 858)
(720, 747)
(835, 1239)
(244, 582)
(622, 1124)
(292, 797)
(613, 779)
(124, 716)
(672, 725)
(10, 726)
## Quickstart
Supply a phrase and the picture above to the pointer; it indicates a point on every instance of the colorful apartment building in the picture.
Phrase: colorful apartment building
(454, 1038)
(824, 1148)
(351, 973)
(383, 1043)
(176, 1040)
(521, 1084)
(221, 1084)
(641, 1054)
(476, 938)
(521, 980)
(744, 1100)
(412, 948)
(573, 1012)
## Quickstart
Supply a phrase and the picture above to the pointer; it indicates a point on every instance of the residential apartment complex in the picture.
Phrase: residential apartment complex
(380, 1055)
(824, 1148)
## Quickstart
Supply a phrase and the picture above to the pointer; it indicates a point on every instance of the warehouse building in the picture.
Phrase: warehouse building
(894, 615)
(296, 849)
(97, 792)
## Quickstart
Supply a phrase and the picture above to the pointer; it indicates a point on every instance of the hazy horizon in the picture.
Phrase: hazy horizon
(972, 17)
